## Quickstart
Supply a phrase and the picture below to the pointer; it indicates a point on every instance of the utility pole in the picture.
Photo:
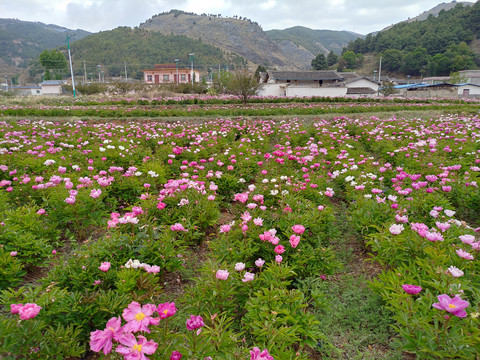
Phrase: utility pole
(191, 60)
(6, 81)
(125, 64)
(84, 71)
(70, 59)
(98, 68)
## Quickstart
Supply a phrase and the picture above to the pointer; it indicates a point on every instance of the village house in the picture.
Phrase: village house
(27, 90)
(316, 83)
(170, 74)
(52, 87)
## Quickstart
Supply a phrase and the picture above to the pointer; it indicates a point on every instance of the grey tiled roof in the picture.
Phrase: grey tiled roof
(305, 75)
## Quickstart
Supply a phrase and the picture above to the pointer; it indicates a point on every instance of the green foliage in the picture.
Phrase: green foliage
(332, 58)
(320, 62)
(277, 318)
(53, 60)
(26, 232)
(138, 46)
(434, 46)
(11, 272)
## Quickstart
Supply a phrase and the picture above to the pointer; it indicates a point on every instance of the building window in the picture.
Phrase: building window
(183, 77)
(37, 91)
(165, 77)
(149, 77)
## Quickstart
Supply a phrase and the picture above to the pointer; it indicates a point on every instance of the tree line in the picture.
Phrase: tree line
(436, 46)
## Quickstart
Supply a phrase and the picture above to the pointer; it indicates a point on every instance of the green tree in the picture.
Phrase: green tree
(387, 88)
(332, 58)
(244, 85)
(416, 62)
(350, 59)
(221, 82)
(392, 60)
(55, 61)
(319, 62)
(260, 69)
(457, 78)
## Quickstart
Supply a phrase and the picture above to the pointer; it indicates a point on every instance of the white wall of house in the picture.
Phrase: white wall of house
(51, 89)
(363, 83)
(300, 91)
(468, 90)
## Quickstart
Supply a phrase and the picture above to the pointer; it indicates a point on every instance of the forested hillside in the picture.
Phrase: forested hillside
(140, 49)
(436, 46)
(22, 41)
(315, 41)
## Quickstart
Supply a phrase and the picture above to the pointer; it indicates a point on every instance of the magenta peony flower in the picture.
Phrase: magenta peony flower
(279, 249)
(278, 258)
(294, 241)
(222, 274)
(133, 349)
(411, 289)
(139, 317)
(175, 355)
(467, 239)
(14, 308)
(454, 306)
(29, 311)
(102, 339)
(195, 322)
(225, 228)
(166, 310)
(298, 229)
(256, 354)
(105, 266)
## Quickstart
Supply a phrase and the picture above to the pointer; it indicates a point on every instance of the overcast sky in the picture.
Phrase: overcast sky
(360, 16)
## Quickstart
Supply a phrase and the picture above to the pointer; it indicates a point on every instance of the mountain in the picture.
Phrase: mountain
(237, 35)
(139, 49)
(315, 41)
(435, 11)
(22, 41)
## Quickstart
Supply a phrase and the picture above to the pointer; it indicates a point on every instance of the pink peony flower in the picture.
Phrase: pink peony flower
(298, 229)
(411, 289)
(256, 354)
(454, 306)
(278, 258)
(248, 277)
(41, 211)
(195, 322)
(166, 310)
(222, 274)
(225, 228)
(456, 272)
(133, 349)
(259, 262)
(13, 253)
(396, 229)
(467, 239)
(279, 249)
(105, 266)
(139, 317)
(29, 311)
(95, 193)
(463, 254)
(239, 266)
(177, 227)
(102, 339)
